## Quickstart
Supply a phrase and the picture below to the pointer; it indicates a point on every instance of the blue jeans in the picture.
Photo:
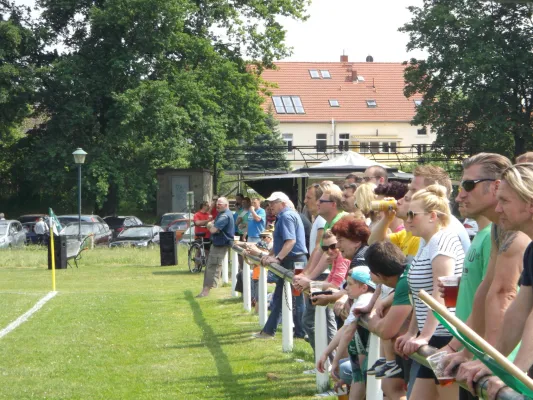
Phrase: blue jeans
(278, 298)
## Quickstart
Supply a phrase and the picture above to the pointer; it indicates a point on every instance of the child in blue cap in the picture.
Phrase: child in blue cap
(352, 337)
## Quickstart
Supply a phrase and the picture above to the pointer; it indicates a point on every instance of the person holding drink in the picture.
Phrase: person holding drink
(441, 254)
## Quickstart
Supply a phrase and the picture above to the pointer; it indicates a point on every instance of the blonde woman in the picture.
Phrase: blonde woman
(364, 196)
(440, 254)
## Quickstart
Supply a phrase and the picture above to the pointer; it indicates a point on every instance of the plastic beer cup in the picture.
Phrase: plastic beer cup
(435, 362)
(451, 289)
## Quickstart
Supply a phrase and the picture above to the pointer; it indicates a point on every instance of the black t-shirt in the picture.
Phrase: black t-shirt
(527, 273)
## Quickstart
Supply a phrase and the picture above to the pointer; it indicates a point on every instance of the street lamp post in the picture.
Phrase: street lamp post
(79, 159)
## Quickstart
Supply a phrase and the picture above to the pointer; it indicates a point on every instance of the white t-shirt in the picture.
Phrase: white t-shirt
(317, 224)
(361, 301)
(447, 243)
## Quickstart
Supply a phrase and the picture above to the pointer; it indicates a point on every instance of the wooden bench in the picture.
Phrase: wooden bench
(75, 249)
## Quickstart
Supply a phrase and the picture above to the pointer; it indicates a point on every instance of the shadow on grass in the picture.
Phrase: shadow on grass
(213, 344)
(187, 272)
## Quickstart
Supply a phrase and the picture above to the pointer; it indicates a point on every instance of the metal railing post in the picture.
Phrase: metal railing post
(225, 278)
(246, 293)
(234, 270)
(262, 296)
(321, 342)
(373, 385)
(286, 315)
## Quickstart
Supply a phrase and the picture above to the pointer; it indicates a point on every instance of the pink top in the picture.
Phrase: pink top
(400, 228)
(339, 267)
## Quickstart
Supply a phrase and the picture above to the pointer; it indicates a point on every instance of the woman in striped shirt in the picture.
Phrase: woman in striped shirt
(440, 254)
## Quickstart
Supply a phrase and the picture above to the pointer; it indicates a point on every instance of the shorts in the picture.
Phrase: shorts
(405, 365)
(437, 342)
(358, 371)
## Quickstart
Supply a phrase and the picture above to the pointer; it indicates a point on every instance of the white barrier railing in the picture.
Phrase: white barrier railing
(374, 391)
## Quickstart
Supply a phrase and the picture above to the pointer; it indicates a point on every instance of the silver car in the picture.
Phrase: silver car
(11, 234)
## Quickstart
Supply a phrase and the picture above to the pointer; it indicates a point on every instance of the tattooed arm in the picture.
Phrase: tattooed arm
(508, 248)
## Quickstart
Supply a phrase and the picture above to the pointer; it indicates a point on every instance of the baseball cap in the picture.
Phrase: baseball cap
(267, 232)
(279, 196)
(362, 274)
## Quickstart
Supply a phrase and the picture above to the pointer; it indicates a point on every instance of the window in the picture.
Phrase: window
(344, 141)
(417, 102)
(314, 74)
(321, 142)
(334, 103)
(325, 74)
(288, 104)
(377, 147)
(388, 147)
(360, 78)
(422, 131)
(287, 137)
(421, 149)
(371, 103)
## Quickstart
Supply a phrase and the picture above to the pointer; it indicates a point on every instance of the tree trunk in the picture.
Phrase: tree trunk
(110, 206)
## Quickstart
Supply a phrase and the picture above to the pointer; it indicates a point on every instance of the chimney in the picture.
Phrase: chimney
(354, 76)
(344, 58)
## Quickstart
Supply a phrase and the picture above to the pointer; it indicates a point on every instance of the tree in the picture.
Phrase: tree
(268, 150)
(146, 84)
(477, 81)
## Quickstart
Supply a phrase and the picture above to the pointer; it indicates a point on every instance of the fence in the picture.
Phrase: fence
(322, 380)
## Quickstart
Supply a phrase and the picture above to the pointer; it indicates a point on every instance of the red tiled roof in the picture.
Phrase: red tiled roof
(384, 83)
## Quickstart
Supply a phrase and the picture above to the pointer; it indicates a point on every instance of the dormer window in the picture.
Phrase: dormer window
(314, 74)
(360, 78)
(371, 103)
(334, 103)
(325, 74)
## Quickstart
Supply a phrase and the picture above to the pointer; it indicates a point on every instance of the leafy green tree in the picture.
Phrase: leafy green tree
(146, 84)
(477, 81)
(268, 150)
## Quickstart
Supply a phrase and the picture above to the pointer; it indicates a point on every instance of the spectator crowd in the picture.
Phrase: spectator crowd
(367, 247)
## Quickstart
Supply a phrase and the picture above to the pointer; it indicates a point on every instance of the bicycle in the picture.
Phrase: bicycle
(196, 254)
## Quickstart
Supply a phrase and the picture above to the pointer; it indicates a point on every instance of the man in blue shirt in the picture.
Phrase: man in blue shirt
(222, 231)
(256, 221)
(289, 247)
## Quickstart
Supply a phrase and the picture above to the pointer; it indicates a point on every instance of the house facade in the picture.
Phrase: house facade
(327, 107)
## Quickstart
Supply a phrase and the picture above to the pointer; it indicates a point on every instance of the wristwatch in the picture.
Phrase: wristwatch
(279, 259)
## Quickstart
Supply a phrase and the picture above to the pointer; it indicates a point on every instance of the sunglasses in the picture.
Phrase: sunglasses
(330, 247)
(411, 214)
(325, 201)
(470, 184)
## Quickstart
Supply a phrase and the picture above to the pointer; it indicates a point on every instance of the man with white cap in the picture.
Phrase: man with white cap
(289, 247)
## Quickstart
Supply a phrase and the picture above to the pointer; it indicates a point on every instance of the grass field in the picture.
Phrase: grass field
(123, 327)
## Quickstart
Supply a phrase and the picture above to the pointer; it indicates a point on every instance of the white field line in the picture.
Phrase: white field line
(24, 317)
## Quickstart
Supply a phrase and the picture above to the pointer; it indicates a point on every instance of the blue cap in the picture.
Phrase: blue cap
(362, 274)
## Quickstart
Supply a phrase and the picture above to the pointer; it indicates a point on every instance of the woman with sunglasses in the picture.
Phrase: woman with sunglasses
(440, 254)
(339, 264)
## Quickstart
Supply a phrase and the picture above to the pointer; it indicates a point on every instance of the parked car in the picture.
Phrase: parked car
(168, 218)
(67, 219)
(102, 233)
(29, 229)
(179, 226)
(187, 237)
(118, 224)
(31, 218)
(11, 234)
(471, 227)
(138, 236)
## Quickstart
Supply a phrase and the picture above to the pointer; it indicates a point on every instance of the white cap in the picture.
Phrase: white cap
(279, 196)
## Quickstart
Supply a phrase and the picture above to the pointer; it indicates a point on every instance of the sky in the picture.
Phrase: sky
(357, 28)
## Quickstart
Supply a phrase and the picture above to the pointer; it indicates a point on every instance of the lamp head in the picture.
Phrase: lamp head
(79, 156)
